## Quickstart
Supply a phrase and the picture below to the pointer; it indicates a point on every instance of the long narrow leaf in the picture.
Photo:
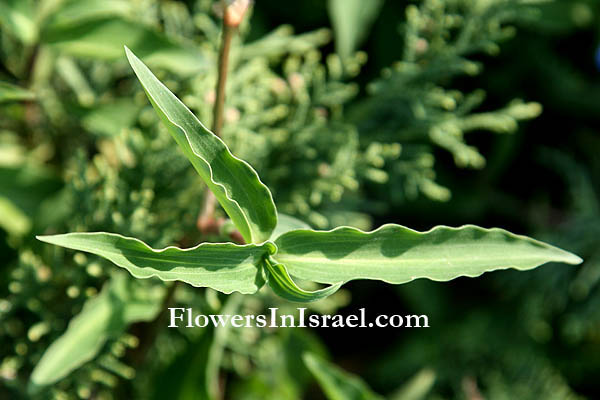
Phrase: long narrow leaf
(351, 20)
(100, 35)
(396, 254)
(235, 184)
(10, 92)
(225, 267)
(102, 317)
(18, 18)
(72, 13)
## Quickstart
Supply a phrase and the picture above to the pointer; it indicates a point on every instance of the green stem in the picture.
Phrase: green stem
(215, 356)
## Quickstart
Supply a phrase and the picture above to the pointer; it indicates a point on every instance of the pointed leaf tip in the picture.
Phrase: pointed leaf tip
(396, 254)
(104, 316)
(225, 267)
(574, 259)
(236, 185)
(46, 238)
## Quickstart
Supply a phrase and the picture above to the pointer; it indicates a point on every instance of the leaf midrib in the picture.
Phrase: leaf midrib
(388, 260)
(157, 259)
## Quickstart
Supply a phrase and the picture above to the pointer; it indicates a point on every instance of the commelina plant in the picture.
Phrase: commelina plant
(280, 248)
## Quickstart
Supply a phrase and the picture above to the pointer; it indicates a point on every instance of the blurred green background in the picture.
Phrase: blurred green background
(353, 113)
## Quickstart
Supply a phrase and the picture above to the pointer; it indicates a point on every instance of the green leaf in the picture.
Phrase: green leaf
(18, 17)
(282, 40)
(336, 383)
(27, 185)
(103, 38)
(111, 118)
(396, 254)
(235, 184)
(283, 285)
(417, 387)
(286, 223)
(103, 317)
(195, 373)
(10, 92)
(225, 267)
(75, 12)
(286, 376)
(13, 220)
(24, 189)
(188, 375)
(351, 20)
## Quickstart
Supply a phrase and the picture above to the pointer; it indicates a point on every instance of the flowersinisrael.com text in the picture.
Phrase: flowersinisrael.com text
(186, 318)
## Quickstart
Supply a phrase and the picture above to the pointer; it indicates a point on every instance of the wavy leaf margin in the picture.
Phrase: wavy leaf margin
(247, 200)
(226, 267)
(396, 254)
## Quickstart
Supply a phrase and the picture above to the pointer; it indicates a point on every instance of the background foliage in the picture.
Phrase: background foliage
(353, 113)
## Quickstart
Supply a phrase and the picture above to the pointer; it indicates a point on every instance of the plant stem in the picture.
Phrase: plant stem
(218, 110)
(206, 220)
